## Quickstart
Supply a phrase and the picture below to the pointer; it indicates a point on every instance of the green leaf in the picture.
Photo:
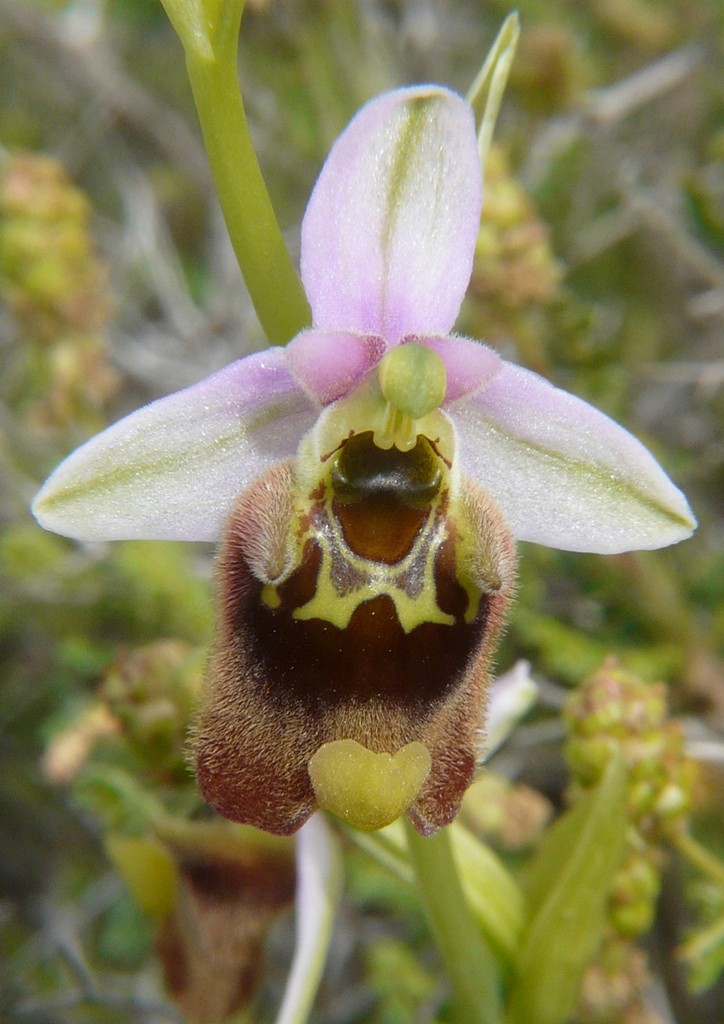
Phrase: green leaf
(569, 887)
(494, 896)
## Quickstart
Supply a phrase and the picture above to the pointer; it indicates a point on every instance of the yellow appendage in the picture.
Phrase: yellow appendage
(365, 789)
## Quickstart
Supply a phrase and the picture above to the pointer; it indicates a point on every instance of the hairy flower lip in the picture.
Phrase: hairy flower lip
(392, 654)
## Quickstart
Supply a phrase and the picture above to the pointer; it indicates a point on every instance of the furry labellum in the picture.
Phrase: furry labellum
(362, 591)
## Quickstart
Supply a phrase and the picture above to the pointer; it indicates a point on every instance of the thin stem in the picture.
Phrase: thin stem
(268, 270)
(468, 961)
(699, 857)
(703, 943)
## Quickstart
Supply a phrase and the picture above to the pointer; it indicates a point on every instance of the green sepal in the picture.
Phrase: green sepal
(205, 25)
(569, 886)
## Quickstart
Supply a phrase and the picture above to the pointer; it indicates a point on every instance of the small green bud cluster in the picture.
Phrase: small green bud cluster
(152, 692)
(514, 263)
(55, 287)
(515, 274)
(139, 720)
(49, 272)
(615, 710)
(612, 986)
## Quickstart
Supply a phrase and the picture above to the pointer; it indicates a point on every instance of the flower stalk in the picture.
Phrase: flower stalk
(265, 262)
(468, 961)
(698, 856)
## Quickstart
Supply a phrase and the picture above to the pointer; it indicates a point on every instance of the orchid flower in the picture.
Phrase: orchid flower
(367, 484)
(214, 890)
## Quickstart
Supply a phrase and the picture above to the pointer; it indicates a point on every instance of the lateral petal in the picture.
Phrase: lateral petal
(389, 233)
(329, 363)
(173, 469)
(563, 473)
(469, 364)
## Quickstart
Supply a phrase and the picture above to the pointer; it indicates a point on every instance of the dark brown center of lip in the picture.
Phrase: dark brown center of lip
(382, 497)
(362, 471)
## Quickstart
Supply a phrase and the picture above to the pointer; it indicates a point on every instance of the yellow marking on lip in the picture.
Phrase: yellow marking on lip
(379, 578)
(409, 583)
(270, 596)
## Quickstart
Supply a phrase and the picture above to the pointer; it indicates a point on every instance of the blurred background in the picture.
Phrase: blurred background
(599, 265)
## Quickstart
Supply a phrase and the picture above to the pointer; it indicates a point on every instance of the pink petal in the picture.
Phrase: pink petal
(328, 364)
(563, 473)
(469, 364)
(389, 233)
(173, 469)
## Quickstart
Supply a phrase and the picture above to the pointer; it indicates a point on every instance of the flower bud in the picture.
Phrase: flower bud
(615, 709)
(152, 692)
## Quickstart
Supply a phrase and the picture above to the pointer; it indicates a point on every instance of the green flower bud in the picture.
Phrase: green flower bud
(152, 692)
(50, 275)
(614, 709)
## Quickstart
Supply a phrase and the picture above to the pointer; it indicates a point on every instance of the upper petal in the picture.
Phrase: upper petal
(389, 233)
(563, 473)
(173, 469)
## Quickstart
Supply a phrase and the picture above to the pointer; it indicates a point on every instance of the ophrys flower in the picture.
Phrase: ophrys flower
(366, 482)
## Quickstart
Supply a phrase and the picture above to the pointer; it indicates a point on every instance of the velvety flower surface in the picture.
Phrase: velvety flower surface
(367, 483)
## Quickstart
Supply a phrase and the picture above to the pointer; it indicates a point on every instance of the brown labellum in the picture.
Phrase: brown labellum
(282, 684)
(211, 946)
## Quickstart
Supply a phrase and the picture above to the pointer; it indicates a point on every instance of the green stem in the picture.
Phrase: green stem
(699, 857)
(468, 961)
(703, 943)
(268, 270)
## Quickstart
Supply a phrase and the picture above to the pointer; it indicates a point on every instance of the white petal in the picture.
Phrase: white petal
(319, 887)
(173, 469)
(563, 473)
(511, 696)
